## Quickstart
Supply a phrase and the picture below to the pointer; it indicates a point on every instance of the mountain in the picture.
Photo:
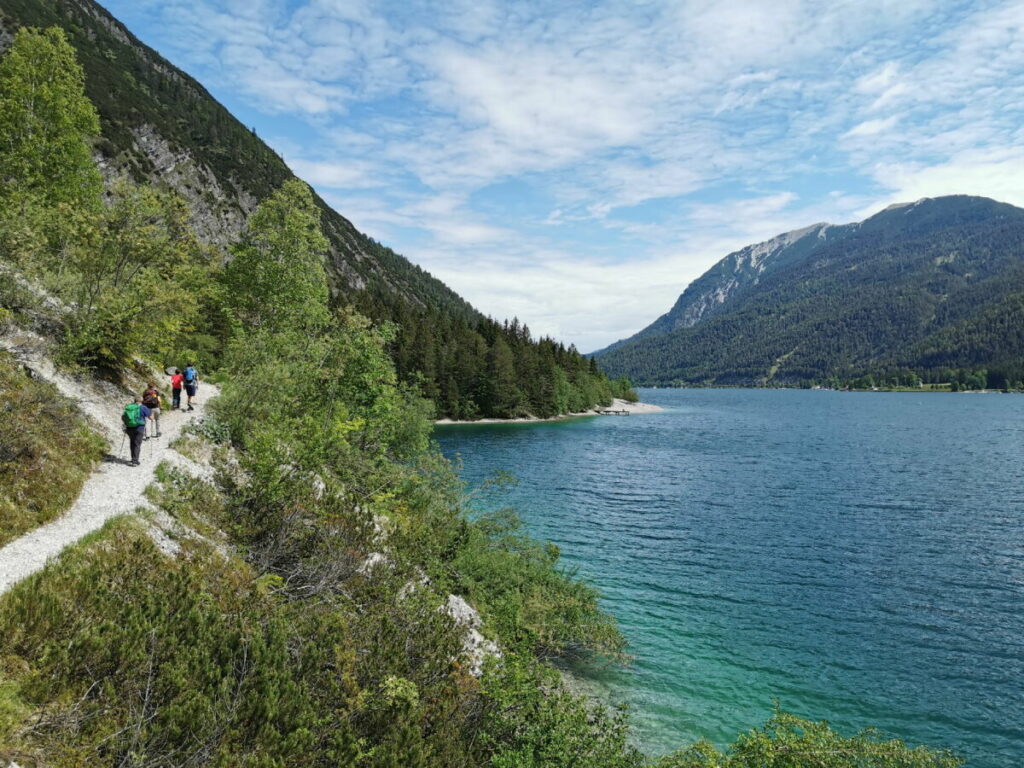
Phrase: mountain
(733, 276)
(922, 287)
(161, 126)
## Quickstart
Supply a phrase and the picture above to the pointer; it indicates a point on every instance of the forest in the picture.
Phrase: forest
(935, 295)
(304, 624)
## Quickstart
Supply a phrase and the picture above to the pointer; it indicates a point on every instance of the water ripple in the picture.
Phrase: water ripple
(860, 558)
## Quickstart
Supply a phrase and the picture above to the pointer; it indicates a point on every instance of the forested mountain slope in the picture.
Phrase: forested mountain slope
(934, 289)
(162, 128)
(161, 125)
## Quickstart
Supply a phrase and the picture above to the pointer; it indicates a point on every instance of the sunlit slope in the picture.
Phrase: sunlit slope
(162, 126)
(925, 286)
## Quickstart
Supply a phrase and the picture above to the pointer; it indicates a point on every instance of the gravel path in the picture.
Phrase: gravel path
(115, 488)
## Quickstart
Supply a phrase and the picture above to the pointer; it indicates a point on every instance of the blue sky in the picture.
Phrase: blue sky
(576, 164)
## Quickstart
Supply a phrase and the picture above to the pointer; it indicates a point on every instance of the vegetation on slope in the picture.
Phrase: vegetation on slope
(46, 451)
(935, 292)
(458, 358)
(476, 368)
(319, 635)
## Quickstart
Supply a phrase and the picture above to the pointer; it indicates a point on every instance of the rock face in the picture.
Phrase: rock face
(477, 646)
(218, 214)
(163, 127)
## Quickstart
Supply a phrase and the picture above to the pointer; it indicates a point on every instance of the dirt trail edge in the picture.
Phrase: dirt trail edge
(115, 488)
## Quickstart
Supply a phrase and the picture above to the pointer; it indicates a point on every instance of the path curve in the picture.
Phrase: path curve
(115, 488)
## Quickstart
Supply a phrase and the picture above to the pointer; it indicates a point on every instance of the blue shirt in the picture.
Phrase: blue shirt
(145, 413)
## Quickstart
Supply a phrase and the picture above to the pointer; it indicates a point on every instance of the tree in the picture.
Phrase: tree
(46, 123)
(501, 396)
(136, 275)
(276, 279)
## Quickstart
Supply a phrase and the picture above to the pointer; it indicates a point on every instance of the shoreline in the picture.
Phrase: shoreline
(617, 405)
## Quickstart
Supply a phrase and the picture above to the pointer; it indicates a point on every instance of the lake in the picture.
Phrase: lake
(857, 556)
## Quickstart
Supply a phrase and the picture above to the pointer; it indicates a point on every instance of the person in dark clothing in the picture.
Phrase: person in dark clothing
(151, 399)
(191, 383)
(134, 420)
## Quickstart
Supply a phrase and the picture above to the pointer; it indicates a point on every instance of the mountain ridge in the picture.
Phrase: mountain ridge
(160, 124)
(806, 292)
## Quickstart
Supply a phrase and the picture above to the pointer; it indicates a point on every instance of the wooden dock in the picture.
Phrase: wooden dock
(610, 412)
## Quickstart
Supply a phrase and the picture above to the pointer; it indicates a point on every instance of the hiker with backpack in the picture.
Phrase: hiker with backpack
(191, 383)
(177, 379)
(151, 399)
(134, 420)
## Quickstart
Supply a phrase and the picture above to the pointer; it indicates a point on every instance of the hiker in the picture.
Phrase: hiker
(176, 381)
(134, 420)
(151, 399)
(191, 383)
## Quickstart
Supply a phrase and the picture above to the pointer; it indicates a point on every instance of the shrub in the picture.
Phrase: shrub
(46, 451)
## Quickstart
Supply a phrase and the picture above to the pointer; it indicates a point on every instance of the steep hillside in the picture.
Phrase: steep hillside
(162, 129)
(161, 126)
(922, 287)
(720, 286)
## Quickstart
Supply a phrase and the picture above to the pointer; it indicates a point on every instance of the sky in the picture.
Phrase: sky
(577, 164)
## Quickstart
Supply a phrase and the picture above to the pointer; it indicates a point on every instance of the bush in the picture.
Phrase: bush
(787, 741)
(46, 451)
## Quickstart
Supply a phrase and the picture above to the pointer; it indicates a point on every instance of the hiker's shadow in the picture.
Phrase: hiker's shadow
(109, 458)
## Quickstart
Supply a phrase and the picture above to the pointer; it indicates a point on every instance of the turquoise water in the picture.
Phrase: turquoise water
(859, 557)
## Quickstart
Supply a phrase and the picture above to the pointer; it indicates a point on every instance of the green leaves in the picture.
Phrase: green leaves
(787, 741)
(135, 276)
(46, 451)
(46, 122)
(276, 279)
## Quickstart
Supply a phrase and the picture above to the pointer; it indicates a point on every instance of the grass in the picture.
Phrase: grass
(47, 451)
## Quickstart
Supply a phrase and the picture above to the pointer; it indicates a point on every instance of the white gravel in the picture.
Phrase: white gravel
(115, 488)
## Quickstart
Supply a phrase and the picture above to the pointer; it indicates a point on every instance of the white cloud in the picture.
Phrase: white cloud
(996, 173)
(872, 127)
(346, 175)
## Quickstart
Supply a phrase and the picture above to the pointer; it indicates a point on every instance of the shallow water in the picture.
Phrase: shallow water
(859, 557)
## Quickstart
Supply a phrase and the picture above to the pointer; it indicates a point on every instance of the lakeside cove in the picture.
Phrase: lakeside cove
(619, 407)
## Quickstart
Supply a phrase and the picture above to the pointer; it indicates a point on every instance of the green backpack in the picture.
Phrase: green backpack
(132, 416)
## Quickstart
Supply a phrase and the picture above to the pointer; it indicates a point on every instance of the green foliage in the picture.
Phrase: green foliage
(46, 122)
(135, 278)
(530, 722)
(531, 604)
(46, 451)
(48, 180)
(276, 279)
(129, 658)
(787, 741)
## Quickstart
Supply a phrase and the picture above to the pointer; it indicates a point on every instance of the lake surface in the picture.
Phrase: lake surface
(857, 556)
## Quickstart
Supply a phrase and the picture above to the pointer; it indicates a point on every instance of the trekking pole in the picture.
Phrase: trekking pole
(123, 436)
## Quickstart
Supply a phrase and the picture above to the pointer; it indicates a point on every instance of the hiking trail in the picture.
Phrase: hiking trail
(115, 487)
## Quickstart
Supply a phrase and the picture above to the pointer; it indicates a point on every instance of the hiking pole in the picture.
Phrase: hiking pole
(123, 436)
